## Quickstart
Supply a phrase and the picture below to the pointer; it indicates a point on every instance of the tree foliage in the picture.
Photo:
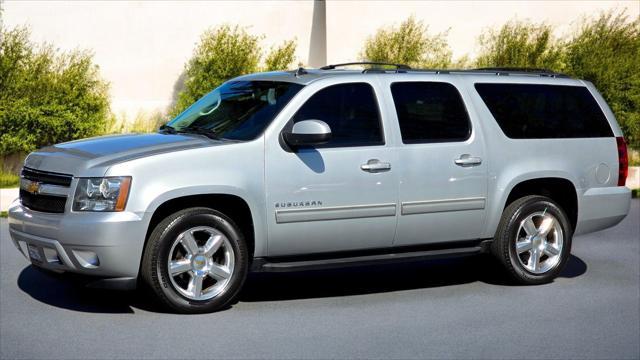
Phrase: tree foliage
(223, 53)
(409, 43)
(47, 96)
(606, 51)
(520, 44)
(279, 58)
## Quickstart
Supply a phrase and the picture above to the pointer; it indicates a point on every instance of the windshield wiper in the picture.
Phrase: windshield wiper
(167, 129)
(211, 134)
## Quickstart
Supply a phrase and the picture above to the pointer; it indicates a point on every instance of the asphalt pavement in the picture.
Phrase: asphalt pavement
(460, 308)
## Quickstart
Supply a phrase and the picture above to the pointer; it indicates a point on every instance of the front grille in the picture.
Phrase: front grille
(45, 177)
(44, 202)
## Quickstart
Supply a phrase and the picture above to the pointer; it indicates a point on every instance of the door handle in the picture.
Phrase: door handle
(375, 165)
(467, 160)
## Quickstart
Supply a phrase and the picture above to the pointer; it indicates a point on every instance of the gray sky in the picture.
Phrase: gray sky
(141, 46)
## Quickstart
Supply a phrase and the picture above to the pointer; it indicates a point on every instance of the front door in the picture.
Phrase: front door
(338, 196)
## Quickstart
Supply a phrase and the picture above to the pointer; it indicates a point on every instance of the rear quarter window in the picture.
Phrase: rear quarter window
(534, 111)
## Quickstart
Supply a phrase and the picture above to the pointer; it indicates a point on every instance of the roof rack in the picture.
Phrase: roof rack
(485, 71)
(397, 66)
(521, 70)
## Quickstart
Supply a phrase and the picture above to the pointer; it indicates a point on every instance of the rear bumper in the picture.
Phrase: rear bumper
(105, 245)
(601, 208)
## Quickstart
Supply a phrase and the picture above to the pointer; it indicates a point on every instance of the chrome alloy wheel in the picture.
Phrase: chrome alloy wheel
(539, 242)
(201, 262)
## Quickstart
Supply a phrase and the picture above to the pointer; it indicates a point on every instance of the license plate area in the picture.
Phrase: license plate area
(34, 253)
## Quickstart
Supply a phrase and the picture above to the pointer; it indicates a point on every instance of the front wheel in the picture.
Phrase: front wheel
(195, 261)
(533, 240)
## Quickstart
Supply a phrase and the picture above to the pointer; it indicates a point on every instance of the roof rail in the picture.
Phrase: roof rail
(522, 70)
(483, 71)
(398, 66)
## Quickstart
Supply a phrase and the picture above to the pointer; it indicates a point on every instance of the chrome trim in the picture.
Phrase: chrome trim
(44, 189)
(335, 213)
(433, 206)
(55, 190)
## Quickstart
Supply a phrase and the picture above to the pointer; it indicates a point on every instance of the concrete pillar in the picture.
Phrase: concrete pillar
(318, 41)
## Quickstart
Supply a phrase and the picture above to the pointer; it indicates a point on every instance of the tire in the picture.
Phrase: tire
(209, 261)
(529, 256)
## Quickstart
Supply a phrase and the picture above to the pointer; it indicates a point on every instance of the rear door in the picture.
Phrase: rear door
(442, 167)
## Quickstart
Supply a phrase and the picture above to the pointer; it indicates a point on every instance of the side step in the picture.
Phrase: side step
(300, 263)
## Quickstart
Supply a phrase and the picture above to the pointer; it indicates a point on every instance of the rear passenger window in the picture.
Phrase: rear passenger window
(350, 110)
(528, 111)
(430, 112)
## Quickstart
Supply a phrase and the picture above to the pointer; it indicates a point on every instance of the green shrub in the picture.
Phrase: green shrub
(409, 44)
(520, 44)
(9, 180)
(280, 57)
(47, 96)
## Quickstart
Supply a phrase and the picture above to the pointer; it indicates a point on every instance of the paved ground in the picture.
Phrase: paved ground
(444, 309)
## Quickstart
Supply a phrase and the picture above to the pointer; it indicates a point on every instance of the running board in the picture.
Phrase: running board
(291, 263)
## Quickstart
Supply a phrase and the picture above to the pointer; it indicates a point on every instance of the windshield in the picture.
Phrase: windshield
(236, 110)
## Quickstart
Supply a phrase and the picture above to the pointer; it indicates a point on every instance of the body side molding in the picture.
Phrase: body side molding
(335, 213)
(433, 206)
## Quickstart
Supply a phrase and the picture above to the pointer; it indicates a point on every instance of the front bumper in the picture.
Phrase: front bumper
(107, 245)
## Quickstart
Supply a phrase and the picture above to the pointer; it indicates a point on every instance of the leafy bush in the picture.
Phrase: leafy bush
(279, 58)
(9, 180)
(520, 44)
(47, 96)
(410, 44)
(224, 53)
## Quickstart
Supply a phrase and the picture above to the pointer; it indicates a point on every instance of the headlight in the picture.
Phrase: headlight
(101, 194)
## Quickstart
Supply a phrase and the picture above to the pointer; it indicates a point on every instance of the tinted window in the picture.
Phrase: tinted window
(544, 111)
(430, 112)
(350, 110)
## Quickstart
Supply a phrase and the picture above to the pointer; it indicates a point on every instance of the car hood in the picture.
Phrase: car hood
(92, 157)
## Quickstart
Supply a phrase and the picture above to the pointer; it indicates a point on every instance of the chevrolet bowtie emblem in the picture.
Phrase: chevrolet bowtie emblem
(33, 187)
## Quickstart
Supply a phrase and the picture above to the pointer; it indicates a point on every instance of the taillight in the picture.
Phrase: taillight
(623, 161)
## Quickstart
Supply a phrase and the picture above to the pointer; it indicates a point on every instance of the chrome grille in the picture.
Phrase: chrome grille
(44, 191)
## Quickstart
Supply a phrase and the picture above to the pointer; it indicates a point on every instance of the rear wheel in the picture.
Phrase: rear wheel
(195, 261)
(533, 240)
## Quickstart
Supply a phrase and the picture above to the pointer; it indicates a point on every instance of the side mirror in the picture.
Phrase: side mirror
(308, 133)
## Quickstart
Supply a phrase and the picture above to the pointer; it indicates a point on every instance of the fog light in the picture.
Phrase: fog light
(51, 255)
(88, 259)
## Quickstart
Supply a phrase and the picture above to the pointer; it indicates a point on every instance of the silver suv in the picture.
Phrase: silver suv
(311, 169)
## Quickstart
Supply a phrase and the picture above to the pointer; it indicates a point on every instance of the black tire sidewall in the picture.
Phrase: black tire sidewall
(187, 220)
(509, 233)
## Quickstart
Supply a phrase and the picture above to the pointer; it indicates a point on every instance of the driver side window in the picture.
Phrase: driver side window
(350, 110)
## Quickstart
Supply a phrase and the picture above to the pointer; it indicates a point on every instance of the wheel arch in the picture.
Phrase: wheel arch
(232, 205)
(557, 186)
